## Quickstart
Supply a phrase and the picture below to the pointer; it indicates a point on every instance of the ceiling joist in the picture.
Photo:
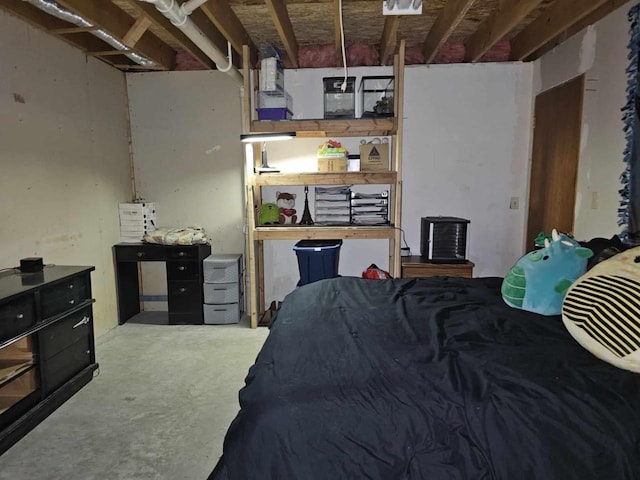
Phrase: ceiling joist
(337, 15)
(590, 19)
(504, 19)
(282, 22)
(453, 12)
(117, 23)
(136, 31)
(389, 38)
(557, 18)
(227, 22)
(151, 13)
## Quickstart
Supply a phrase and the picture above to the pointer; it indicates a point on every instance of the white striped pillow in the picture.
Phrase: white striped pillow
(602, 310)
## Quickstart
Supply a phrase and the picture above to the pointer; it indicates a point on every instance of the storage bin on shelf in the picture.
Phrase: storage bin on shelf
(339, 103)
(376, 96)
(317, 259)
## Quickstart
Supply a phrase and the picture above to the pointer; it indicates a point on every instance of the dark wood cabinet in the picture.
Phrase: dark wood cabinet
(415, 266)
(184, 279)
(46, 345)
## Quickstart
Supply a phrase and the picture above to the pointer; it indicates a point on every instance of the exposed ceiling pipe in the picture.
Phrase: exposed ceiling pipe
(180, 19)
(52, 8)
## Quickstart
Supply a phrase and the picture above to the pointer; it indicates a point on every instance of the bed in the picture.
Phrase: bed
(431, 378)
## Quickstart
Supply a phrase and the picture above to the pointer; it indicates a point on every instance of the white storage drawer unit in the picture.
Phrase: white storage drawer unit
(223, 292)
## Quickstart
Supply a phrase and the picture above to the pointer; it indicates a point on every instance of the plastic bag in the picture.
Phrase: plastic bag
(375, 273)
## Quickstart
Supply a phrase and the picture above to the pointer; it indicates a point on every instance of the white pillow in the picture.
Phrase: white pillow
(602, 310)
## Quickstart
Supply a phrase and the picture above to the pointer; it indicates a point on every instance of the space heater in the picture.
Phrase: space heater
(443, 239)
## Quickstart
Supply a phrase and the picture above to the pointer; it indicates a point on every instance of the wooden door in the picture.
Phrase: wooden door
(554, 163)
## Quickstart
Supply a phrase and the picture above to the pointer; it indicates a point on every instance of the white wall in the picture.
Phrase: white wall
(64, 159)
(185, 129)
(600, 52)
(465, 153)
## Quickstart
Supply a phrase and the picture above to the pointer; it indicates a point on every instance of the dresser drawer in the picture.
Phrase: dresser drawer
(183, 270)
(66, 332)
(16, 316)
(177, 253)
(139, 253)
(184, 296)
(61, 367)
(65, 295)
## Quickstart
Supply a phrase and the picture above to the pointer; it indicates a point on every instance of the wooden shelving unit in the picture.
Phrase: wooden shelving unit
(257, 234)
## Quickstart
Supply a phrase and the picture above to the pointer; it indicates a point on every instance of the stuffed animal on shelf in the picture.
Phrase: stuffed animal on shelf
(269, 214)
(286, 202)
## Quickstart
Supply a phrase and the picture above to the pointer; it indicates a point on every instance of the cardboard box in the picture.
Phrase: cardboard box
(332, 164)
(374, 157)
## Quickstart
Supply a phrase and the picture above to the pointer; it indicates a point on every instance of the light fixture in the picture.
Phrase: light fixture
(264, 138)
(402, 7)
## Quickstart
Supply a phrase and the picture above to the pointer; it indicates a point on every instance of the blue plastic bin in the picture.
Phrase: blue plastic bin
(317, 259)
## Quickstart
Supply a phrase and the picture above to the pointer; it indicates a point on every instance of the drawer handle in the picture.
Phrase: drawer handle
(87, 352)
(182, 268)
(140, 254)
(84, 321)
(71, 286)
(20, 316)
(181, 254)
(71, 302)
(182, 289)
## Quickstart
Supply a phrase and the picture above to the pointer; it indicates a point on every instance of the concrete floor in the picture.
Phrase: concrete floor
(159, 408)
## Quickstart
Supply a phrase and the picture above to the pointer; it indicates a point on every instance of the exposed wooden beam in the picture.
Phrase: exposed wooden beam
(117, 22)
(561, 16)
(337, 33)
(160, 21)
(504, 19)
(225, 20)
(389, 37)
(136, 31)
(210, 30)
(65, 31)
(453, 12)
(282, 22)
(590, 19)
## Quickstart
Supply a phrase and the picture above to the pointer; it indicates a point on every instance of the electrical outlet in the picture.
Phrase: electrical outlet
(514, 203)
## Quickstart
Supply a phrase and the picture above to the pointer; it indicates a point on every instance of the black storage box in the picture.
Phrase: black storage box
(443, 239)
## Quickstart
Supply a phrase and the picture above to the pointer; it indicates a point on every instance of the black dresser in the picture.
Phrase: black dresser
(46, 345)
(184, 279)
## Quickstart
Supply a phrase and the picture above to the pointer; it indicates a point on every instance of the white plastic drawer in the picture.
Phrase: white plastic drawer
(221, 293)
(221, 314)
(222, 268)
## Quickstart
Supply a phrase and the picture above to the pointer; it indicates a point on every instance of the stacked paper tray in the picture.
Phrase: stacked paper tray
(370, 208)
(136, 219)
(332, 206)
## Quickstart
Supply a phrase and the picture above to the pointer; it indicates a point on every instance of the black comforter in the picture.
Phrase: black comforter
(428, 379)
